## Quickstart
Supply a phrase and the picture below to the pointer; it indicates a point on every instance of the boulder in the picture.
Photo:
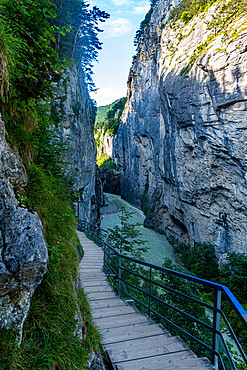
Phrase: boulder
(23, 249)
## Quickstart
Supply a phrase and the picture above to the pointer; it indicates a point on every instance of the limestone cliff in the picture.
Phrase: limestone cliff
(76, 126)
(23, 249)
(106, 144)
(182, 139)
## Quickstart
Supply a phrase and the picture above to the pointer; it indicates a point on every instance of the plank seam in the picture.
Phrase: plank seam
(121, 314)
(123, 326)
(107, 317)
(130, 340)
(145, 357)
(101, 308)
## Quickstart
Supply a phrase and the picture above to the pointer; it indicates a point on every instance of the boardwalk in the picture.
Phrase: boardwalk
(131, 339)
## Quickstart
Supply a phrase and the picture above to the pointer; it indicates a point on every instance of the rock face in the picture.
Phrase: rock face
(182, 139)
(110, 179)
(23, 249)
(106, 144)
(77, 120)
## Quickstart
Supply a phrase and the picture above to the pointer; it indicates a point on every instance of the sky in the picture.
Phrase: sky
(115, 58)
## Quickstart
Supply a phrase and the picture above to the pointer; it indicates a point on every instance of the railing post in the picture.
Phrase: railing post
(216, 326)
(119, 276)
(96, 235)
(104, 263)
(149, 292)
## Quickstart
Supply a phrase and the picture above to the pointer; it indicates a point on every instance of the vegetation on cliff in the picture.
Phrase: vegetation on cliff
(38, 40)
(107, 118)
(221, 27)
(225, 21)
(107, 122)
(141, 31)
(189, 8)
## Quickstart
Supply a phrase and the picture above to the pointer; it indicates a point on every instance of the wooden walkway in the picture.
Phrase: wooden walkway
(132, 340)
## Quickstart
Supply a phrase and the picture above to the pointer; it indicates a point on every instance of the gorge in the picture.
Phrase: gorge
(177, 146)
(48, 177)
(181, 142)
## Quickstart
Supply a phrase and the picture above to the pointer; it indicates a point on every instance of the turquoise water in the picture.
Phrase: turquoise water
(158, 244)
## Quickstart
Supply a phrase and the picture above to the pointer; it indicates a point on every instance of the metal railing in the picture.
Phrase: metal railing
(147, 288)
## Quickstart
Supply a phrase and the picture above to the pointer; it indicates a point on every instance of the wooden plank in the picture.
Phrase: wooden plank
(120, 321)
(88, 284)
(99, 289)
(99, 296)
(103, 304)
(145, 349)
(132, 340)
(161, 341)
(109, 312)
(130, 332)
(179, 361)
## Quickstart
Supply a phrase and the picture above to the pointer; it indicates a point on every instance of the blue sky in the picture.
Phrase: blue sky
(115, 58)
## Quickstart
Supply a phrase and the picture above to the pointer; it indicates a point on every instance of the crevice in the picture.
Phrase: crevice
(4, 247)
(229, 104)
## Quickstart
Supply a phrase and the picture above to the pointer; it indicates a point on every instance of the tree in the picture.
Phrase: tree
(144, 23)
(234, 274)
(125, 237)
(82, 43)
(36, 64)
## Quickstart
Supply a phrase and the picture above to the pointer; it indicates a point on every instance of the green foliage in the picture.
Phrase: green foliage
(192, 308)
(219, 24)
(107, 163)
(112, 122)
(234, 274)
(145, 22)
(228, 12)
(101, 159)
(49, 339)
(125, 238)
(35, 65)
(188, 9)
(106, 116)
(169, 298)
(200, 259)
(101, 114)
(81, 43)
(111, 115)
(30, 66)
(10, 47)
(202, 262)
(186, 16)
(198, 51)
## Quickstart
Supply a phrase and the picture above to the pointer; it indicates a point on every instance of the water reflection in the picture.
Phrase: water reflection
(158, 244)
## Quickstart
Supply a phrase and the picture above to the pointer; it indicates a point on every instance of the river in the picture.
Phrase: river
(159, 247)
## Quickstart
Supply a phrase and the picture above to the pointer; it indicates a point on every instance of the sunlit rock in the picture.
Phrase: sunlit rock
(182, 139)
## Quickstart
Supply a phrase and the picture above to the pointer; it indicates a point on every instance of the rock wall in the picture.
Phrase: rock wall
(77, 117)
(106, 144)
(23, 249)
(182, 139)
(110, 179)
